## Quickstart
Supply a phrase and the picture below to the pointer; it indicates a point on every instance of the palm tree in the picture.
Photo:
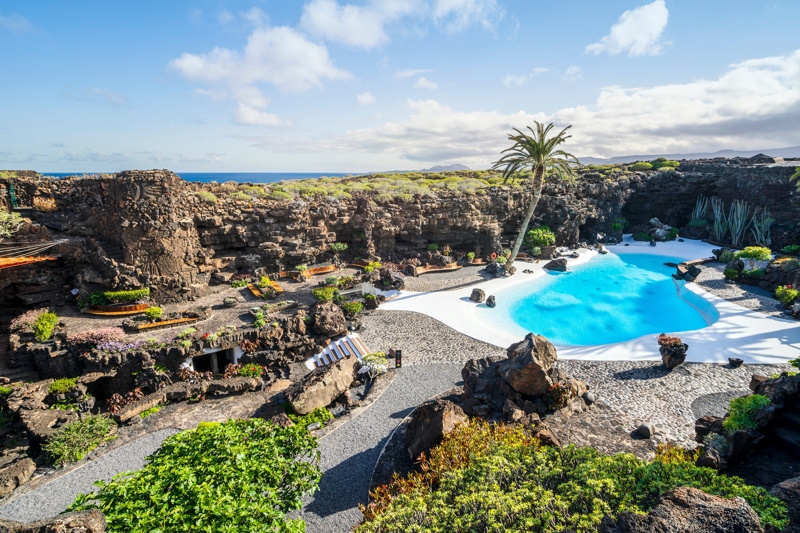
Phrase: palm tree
(540, 153)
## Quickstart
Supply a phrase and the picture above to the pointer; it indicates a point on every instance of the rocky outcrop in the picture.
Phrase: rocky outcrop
(557, 265)
(688, 510)
(529, 363)
(83, 522)
(328, 319)
(429, 423)
(323, 385)
(789, 492)
(14, 475)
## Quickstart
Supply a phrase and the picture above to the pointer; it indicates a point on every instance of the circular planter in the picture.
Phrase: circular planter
(120, 308)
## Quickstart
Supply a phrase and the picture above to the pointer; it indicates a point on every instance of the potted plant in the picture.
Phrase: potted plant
(672, 350)
(470, 257)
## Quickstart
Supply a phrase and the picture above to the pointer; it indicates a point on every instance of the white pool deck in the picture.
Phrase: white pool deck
(739, 332)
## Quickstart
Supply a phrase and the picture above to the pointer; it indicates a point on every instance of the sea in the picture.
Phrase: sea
(239, 177)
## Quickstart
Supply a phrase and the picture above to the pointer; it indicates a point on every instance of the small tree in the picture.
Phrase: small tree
(9, 222)
(338, 247)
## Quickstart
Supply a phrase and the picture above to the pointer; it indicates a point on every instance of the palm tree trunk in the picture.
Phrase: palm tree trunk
(537, 183)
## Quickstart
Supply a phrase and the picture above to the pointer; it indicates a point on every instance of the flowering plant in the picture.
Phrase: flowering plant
(26, 319)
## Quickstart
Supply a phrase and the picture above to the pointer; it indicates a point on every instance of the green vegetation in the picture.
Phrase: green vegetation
(320, 414)
(470, 257)
(239, 475)
(153, 312)
(151, 411)
(375, 363)
(619, 224)
(755, 253)
(664, 163)
(239, 283)
(372, 266)
(700, 223)
(72, 442)
(126, 297)
(351, 309)
(188, 332)
(642, 236)
(792, 249)
(251, 370)
(5, 391)
(541, 236)
(640, 165)
(44, 325)
(331, 280)
(730, 274)
(540, 152)
(754, 274)
(261, 319)
(63, 385)
(9, 222)
(207, 197)
(727, 256)
(338, 247)
(239, 195)
(325, 294)
(263, 283)
(672, 234)
(301, 268)
(786, 295)
(742, 412)
(501, 260)
(433, 247)
(494, 478)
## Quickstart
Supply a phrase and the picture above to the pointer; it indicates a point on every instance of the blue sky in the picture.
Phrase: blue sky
(332, 86)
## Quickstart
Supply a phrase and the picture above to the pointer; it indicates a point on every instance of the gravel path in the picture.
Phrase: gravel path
(51, 499)
(446, 281)
(349, 454)
(750, 297)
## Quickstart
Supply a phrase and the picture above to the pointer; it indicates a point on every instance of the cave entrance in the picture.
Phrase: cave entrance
(216, 359)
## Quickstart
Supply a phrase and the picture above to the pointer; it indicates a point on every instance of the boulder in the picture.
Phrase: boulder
(673, 356)
(711, 458)
(545, 435)
(322, 385)
(478, 295)
(789, 492)
(328, 319)
(706, 425)
(735, 362)
(14, 475)
(490, 301)
(42, 423)
(83, 522)
(688, 510)
(557, 265)
(646, 429)
(528, 365)
(430, 422)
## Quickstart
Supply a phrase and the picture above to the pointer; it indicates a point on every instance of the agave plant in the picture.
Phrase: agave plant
(720, 221)
(738, 221)
(700, 208)
(761, 224)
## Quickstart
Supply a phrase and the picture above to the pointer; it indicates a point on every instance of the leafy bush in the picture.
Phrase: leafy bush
(792, 249)
(238, 283)
(5, 391)
(663, 162)
(742, 412)
(153, 312)
(795, 362)
(279, 195)
(433, 247)
(320, 414)
(325, 294)
(331, 280)
(239, 475)
(126, 297)
(372, 266)
(541, 236)
(27, 319)
(753, 274)
(151, 411)
(494, 478)
(756, 253)
(43, 326)
(338, 247)
(786, 295)
(239, 195)
(536, 251)
(501, 260)
(72, 442)
(93, 337)
(260, 320)
(351, 309)
(672, 234)
(642, 236)
(375, 363)
(640, 165)
(188, 332)
(10, 222)
(301, 268)
(619, 224)
(470, 257)
(730, 274)
(727, 256)
(207, 197)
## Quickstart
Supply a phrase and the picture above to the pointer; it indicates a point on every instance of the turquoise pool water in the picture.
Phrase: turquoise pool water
(611, 298)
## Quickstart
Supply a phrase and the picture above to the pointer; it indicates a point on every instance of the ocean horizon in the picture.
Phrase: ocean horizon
(221, 177)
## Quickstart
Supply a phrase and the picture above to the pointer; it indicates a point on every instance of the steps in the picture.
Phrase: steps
(113, 251)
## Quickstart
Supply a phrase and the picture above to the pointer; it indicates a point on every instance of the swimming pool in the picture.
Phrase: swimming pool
(609, 299)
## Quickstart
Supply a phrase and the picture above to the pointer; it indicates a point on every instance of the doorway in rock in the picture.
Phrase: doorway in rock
(215, 359)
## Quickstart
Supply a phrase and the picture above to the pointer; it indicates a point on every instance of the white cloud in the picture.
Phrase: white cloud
(225, 17)
(425, 83)
(637, 32)
(252, 116)
(365, 98)
(754, 104)
(512, 80)
(280, 56)
(573, 73)
(15, 23)
(458, 15)
(410, 72)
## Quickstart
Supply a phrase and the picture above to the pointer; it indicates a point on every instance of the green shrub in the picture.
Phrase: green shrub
(433, 247)
(320, 414)
(280, 195)
(742, 412)
(470, 257)
(239, 195)
(730, 274)
(63, 385)
(126, 297)
(536, 251)
(351, 309)
(239, 283)
(325, 294)
(239, 475)
(44, 325)
(663, 162)
(207, 197)
(251, 370)
(753, 274)
(795, 362)
(786, 295)
(331, 280)
(642, 236)
(541, 236)
(264, 282)
(72, 442)
(672, 234)
(5, 391)
(151, 411)
(755, 253)
(619, 224)
(792, 249)
(700, 223)
(153, 312)
(727, 256)
(338, 247)
(375, 363)
(372, 266)
(301, 268)
(640, 165)
(484, 478)
(501, 260)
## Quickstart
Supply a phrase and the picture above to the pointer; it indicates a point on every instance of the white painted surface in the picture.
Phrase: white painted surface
(739, 332)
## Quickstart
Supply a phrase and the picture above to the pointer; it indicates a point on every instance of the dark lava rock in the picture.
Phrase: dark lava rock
(646, 429)
(529, 363)
(490, 301)
(557, 265)
(735, 362)
(328, 319)
(789, 492)
(589, 398)
(430, 422)
(478, 295)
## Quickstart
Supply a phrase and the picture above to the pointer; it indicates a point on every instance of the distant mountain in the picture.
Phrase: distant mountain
(791, 151)
(446, 168)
